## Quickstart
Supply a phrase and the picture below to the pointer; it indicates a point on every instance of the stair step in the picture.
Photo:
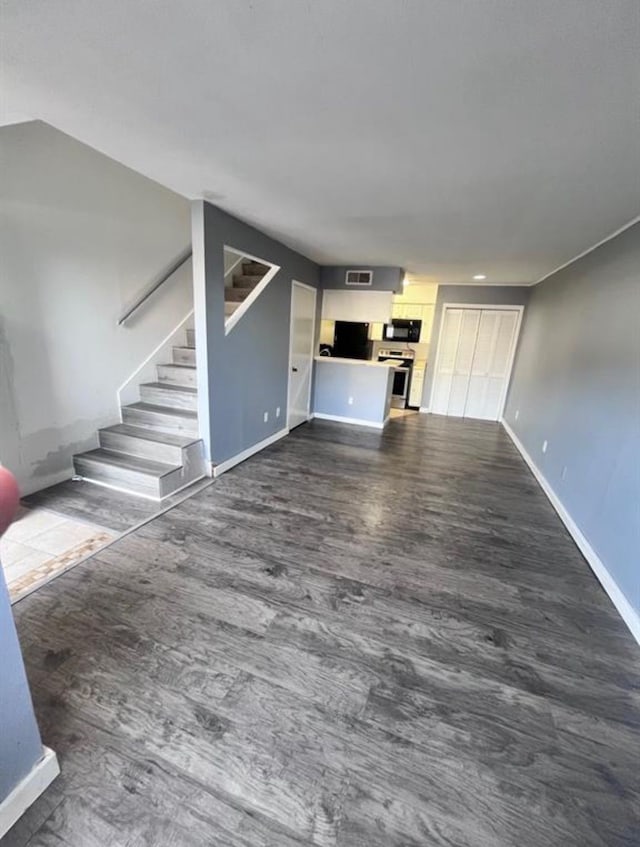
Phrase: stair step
(237, 295)
(254, 269)
(124, 471)
(243, 281)
(178, 374)
(161, 418)
(191, 338)
(184, 355)
(145, 443)
(230, 306)
(172, 396)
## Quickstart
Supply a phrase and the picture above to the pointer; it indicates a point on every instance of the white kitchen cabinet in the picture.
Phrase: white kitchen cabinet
(375, 332)
(415, 389)
(365, 306)
(427, 323)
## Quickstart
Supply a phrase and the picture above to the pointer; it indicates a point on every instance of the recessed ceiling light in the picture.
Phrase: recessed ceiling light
(405, 281)
(479, 276)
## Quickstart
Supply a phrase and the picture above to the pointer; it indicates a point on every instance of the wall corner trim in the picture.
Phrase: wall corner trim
(623, 606)
(28, 790)
(217, 470)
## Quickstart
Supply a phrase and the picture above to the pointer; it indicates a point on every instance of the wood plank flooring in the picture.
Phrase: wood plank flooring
(354, 639)
(114, 510)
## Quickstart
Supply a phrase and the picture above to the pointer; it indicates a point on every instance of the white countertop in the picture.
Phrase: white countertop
(364, 362)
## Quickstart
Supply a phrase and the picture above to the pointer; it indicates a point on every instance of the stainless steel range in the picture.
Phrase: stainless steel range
(402, 360)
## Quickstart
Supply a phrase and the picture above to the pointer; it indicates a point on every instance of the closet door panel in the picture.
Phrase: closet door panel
(482, 358)
(498, 375)
(448, 348)
(464, 359)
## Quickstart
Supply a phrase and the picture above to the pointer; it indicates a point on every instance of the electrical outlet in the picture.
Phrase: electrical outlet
(277, 411)
(564, 472)
(266, 416)
(545, 444)
(351, 401)
(517, 414)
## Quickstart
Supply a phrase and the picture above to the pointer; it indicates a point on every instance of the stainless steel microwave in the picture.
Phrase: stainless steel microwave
(402, 330)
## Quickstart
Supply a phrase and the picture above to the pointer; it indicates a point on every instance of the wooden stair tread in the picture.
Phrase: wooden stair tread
(184, 365)
(163, 410)
(170, 386)
(172, 438)
(127, 462)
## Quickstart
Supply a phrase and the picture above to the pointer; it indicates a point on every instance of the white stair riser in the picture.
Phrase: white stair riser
(184, 356)
(159, 422)
(177, 376)
(170, 398)
(154, 450)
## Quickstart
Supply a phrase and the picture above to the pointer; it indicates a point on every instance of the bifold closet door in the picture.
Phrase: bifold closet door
(457, 346)
(475, 353)
(490, 367)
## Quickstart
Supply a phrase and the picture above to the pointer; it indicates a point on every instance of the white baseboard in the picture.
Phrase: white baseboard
(626, 611)
(28, 790)
(355, 421)
(250, 451)
(424, 410)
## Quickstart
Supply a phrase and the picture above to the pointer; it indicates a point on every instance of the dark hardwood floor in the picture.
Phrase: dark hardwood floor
(115, 510)
(351, 639)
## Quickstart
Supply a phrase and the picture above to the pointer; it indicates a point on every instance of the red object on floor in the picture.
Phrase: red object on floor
(9, 498)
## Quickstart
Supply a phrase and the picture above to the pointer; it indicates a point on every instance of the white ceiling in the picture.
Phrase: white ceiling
(451, 137)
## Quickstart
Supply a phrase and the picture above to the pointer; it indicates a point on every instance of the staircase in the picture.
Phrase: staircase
(242, 285)
(156, 449)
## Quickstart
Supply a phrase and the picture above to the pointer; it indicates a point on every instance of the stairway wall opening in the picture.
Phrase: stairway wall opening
(243, 374)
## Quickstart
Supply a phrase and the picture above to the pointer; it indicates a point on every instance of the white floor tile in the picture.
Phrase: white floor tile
(32, 522)
(63, 537)
(12, 551)
(33, 559)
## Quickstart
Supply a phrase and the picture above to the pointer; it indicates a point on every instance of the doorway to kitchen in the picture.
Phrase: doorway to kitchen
(476, 349)
(301, 344)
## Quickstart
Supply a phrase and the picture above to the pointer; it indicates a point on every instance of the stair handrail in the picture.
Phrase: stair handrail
(184, 256)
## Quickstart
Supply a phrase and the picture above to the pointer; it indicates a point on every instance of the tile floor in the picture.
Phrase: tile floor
(41, 544)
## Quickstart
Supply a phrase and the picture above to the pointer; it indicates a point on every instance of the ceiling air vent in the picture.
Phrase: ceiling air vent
(359, 278)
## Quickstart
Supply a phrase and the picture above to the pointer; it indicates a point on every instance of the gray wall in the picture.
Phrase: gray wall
(81, 236)
(384, 278)
(495, 295)
(368, 386)
(20, 745)
(576, 383)
(247, 370)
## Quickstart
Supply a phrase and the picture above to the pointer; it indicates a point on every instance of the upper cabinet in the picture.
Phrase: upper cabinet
(417, 302)
(365, 306)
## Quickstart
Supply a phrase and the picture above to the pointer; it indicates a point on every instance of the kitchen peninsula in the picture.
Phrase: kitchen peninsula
(352, 391)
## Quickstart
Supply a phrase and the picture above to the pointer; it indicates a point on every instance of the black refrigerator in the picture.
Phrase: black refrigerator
(351, 340)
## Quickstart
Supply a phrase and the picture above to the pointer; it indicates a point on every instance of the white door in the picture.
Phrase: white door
(302, 335)
(474, 362)
(491, 364)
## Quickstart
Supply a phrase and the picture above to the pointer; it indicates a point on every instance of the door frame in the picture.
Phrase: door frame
(295, 282)
(480, 306)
